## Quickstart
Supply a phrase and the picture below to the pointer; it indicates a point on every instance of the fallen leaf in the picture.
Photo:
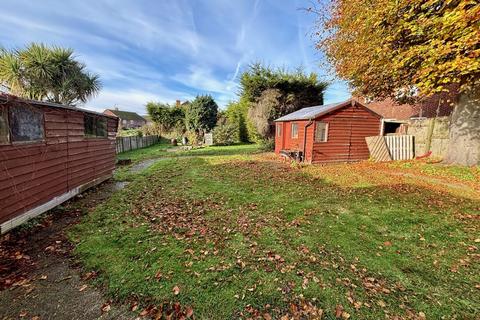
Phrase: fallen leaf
(176, 290)
(338, 311)
(189, 312)
(83, 288)
(106, 307)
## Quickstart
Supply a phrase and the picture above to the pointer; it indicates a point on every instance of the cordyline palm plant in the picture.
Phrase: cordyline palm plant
(47, 73)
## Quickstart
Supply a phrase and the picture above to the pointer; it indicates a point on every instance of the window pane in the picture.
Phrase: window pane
(26, 123)
(321, 129)
(89, 125)
(279, 130)
(294, 130)
(3, 125)
(101, 127)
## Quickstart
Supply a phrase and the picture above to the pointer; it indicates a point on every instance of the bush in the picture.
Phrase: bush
(151, 129)
(224, 134)
(267, 144)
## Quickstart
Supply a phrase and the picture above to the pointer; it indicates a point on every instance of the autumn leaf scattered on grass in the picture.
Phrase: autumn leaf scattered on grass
(176, 290)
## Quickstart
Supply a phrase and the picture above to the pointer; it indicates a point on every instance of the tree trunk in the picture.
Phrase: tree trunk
(464, 144)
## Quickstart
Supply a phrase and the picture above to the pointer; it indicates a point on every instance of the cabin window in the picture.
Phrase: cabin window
(3, 125)
(95, 126)
(26, 124)
(321, 132)
(294, 130)
(279, 130)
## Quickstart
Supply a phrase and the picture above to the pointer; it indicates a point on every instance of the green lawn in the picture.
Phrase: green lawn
(232, 233)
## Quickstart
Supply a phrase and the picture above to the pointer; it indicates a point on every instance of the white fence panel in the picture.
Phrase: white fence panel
(401, 147)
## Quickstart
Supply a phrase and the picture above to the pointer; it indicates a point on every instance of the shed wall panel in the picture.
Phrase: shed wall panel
(33, 173)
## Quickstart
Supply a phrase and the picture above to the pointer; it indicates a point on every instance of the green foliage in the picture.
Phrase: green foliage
(267, 144)
(272, 93)
(236, 114)
(130, 133)
(387, 47)
(224, 134)
(47, 73)
(304, 87)
(201, 114)
(168, 118)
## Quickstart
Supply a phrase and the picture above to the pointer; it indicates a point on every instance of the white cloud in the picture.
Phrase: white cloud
(132, 100)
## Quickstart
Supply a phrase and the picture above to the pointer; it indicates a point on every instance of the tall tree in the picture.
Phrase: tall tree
(271, 93)
(47, 73)
(201, 114)
(407, 49)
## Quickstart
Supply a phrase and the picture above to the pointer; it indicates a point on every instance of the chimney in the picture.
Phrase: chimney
(177, 103)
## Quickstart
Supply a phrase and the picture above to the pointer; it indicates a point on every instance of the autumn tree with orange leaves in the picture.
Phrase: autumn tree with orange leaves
(407, 49)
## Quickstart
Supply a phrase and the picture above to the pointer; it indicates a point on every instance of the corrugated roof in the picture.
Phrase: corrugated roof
(5, 97)
(313, 112)
(126, 115)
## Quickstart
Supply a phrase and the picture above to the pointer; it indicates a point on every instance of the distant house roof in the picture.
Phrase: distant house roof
(316, 111)
(126, 115)
(6, 97)
(437, 105)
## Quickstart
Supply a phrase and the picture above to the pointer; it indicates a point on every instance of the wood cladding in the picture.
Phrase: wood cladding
(33, 173)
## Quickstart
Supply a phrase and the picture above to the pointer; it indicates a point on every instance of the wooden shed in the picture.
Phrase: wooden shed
(48, 154)
(327, 133)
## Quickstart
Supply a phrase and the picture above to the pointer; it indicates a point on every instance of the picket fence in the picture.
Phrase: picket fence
(131, 143)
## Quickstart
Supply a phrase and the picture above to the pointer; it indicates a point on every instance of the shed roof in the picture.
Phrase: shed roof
(310, 113)
(5, 97)
(126, 115)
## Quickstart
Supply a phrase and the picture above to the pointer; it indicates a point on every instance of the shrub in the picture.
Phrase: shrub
(224, 134)
(267, 144)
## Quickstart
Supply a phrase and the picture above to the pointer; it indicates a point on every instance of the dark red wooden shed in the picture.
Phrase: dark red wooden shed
(48, 154)
(328, 133)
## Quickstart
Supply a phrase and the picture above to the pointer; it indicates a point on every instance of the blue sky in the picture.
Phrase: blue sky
(170, 49)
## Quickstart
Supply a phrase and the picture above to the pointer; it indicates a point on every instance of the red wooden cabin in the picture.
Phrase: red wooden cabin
(48, 154)
(328, 133)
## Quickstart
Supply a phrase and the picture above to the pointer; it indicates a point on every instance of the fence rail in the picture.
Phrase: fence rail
(132, 143)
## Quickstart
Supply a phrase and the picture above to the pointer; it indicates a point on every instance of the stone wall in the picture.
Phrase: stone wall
(430, 134)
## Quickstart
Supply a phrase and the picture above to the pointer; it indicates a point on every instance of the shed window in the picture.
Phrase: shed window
(321, 132)
(3, 125)
(294, 130)
(95, 126)
(26, 124)
(279, 130)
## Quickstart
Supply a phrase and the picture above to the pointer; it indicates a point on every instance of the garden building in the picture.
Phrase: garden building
(48, 154)
(327, 133)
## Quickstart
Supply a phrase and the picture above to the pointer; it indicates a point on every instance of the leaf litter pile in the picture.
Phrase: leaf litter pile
(250, 237)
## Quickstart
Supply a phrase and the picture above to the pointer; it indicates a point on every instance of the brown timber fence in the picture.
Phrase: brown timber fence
(134, 142)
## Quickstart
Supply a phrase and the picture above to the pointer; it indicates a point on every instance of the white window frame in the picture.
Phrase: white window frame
(279, 129)
(319, 124)
(296, 130)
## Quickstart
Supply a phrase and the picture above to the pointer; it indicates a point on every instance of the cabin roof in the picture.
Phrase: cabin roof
(310, 113)
(5, 97)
